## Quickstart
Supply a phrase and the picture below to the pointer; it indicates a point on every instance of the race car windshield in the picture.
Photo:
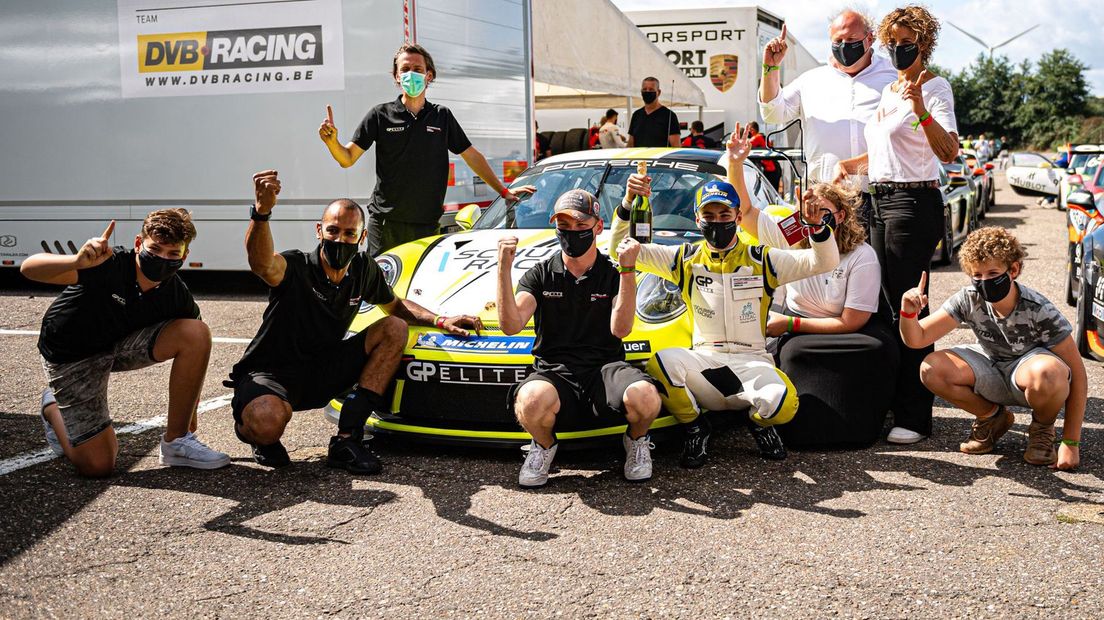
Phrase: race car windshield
(672, 199)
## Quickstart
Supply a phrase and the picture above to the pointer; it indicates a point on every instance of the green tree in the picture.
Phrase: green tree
(1054, 99)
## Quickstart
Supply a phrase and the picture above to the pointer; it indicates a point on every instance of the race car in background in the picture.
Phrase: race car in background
(960, 216)
(1083, 216)
(1084, 161)
(983, 176)
(1089, 328)
(453, 390)
(1032, 174)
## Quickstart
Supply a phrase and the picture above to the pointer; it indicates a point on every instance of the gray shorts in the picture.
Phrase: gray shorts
(996, 381)
(80, 387)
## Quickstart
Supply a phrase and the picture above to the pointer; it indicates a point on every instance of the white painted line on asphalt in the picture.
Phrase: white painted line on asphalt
(30, 332)
(27, 459)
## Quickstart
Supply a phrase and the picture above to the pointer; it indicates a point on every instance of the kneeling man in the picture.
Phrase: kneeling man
(124, 309)
(584, 306)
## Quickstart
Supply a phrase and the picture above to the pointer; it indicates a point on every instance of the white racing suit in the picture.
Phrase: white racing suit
(728, 295)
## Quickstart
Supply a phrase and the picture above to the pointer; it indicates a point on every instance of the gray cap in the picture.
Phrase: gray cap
(577, 204)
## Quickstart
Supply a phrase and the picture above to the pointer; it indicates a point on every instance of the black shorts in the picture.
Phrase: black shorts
(313, 384)
(598, 393)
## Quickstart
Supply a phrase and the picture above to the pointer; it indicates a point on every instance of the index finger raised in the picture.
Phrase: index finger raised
(329, 113)
(920, 78)
(107, 231)
(783, 35)
(923, 282)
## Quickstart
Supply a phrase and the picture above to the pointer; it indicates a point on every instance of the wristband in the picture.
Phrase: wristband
(797, 324)
(1071, 442)
(505, 193)
(789, 327)
(768, 68)
(439, 322)
(925, 120)
(623, 270)
(257, 216)
(908, 315)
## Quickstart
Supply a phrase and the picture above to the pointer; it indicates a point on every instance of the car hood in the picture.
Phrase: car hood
(458, 273)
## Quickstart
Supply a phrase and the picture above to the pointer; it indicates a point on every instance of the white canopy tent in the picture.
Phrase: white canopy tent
(587, 54)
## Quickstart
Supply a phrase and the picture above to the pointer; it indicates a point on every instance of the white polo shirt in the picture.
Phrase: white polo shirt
(835, 108)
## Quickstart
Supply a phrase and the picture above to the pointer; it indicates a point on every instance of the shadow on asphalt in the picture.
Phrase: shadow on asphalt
(42, 498)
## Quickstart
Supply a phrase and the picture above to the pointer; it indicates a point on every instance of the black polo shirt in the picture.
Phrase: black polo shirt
(412, 166)
(653, 129)
(572, 319)
(307, 314)
(105, 305)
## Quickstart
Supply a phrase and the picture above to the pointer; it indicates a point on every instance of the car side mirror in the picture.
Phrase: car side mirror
(988, 166)
(468, 216)
(979, 172)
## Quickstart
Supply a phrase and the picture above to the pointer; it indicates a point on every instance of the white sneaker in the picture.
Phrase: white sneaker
(51, 436)
(901, 435)
(189, 451)
(534, 473)
(638, 458)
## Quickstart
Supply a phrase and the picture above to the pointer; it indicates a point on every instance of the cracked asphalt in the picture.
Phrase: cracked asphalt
(888, 532)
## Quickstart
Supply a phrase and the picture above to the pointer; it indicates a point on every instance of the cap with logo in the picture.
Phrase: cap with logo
(578, 204)
(720, 192)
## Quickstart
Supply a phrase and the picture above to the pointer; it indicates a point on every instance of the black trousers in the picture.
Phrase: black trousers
(866, 214)
(384, 234)
(907, 226)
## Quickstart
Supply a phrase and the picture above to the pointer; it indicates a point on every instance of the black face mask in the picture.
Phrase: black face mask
(575, 243)
(994, 289)
(648, 96)
(902, 56)
(718, 234)
(848, 54)
(338, 253)
(156, 268)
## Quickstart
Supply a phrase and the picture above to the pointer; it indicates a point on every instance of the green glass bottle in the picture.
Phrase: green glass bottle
(640, 218)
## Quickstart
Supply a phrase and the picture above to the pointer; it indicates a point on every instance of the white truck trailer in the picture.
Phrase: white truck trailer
(109, 110)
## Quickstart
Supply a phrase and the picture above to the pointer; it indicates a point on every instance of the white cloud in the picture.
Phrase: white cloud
(1074, 24)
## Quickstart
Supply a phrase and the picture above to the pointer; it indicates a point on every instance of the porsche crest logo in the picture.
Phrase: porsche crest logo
(722, 71)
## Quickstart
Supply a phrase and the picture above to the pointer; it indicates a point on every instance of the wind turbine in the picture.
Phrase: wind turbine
(992, 47)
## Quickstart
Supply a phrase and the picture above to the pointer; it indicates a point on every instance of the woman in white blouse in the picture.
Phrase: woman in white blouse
(841, 358)
(912, 131)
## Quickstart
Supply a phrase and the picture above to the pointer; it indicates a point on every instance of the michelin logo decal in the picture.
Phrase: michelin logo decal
(482, 345)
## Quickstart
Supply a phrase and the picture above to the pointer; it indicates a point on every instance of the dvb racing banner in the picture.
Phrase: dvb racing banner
(219, 47)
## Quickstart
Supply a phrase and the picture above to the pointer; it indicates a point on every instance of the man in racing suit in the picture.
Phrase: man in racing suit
(727, 286)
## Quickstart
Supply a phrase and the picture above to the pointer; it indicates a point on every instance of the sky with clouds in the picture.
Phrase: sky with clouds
(1073, 24)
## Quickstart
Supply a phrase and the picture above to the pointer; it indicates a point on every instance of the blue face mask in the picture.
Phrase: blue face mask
(413, 83)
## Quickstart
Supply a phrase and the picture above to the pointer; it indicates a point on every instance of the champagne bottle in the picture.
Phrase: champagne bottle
(640, 218)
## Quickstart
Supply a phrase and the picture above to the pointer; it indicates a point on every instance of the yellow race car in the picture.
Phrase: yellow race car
(453, 390)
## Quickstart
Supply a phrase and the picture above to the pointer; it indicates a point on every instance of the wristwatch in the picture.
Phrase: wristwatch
(257, 216)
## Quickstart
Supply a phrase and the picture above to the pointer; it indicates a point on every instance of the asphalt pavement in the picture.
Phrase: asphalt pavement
(887, 532)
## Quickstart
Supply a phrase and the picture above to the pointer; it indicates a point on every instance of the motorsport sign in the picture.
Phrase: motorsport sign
(214, 47)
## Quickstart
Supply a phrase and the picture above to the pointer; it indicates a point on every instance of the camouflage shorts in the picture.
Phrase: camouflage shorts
(80, 387)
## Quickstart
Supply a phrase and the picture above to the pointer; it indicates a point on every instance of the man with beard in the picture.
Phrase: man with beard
(300, 358)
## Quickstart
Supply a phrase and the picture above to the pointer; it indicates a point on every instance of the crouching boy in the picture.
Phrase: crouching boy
(1025, 354)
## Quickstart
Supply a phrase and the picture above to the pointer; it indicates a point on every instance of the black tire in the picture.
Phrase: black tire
(1071, 299)
(974, 217)
(946, 253)
(556, 145)
(1085, 321)
(576, 140)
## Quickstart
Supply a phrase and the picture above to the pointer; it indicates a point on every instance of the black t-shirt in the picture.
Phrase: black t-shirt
(412, 166)
(105, 305)
(699, 142)
(572, 319)
(653, 129)
(307, 313)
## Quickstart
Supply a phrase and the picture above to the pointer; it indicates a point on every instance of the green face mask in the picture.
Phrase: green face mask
(413, 84)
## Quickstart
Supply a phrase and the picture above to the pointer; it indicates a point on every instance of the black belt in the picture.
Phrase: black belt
(888, 187)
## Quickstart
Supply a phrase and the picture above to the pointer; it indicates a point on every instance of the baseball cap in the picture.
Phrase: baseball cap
(577, 204)
(720, 192)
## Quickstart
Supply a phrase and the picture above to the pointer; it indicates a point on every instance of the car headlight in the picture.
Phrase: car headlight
(658, 300)
(391, 267)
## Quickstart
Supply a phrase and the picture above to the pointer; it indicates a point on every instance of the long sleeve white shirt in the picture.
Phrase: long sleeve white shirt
(835, 108)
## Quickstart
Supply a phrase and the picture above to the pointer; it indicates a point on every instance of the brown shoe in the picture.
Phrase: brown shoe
(985, 432)
(1040, 444)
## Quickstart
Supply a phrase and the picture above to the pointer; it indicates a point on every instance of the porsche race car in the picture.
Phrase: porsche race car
(1032, 174)
(454, 390)
(1083, 216)
(1089, 328)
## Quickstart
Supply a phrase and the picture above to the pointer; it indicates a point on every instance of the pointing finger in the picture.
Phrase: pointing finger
(329, 113)
(783, 35)
(923, 74)
(923, 282)
(110, 229)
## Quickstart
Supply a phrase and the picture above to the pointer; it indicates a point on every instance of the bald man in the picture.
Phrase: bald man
(300, 358)
(834, 101)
